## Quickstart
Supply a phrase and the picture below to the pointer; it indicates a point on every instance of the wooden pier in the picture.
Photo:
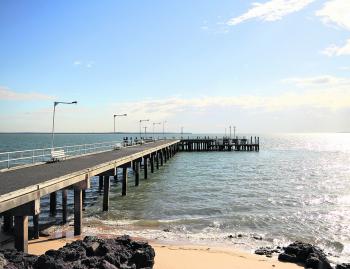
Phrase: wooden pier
(22, 187)
(219, 144)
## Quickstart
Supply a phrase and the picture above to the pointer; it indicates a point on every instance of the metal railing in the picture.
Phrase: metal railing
(32, 156)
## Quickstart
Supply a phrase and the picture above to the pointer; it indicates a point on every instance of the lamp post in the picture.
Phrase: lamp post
(230, 130)
(53, 119)
(154, 123)
(145, 127)
(234, 131)
(118, 115)
(182, 131)
(164, 122)
(140, 126)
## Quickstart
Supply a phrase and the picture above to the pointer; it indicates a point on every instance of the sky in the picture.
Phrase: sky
(262, 66)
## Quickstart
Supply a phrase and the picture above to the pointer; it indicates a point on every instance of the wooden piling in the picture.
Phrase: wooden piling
(161, 157)
(64, 206)
(145, 168)
(100, 183)
(36, 226)
(53, 203)
(137, 172)
(116, 174)
(152, 163)
(8, 222)
(124, 180)
(78, 214)
(106, 185)
(157, 160)
(21, 233)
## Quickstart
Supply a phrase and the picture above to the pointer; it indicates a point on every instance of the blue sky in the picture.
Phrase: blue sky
(272, 66)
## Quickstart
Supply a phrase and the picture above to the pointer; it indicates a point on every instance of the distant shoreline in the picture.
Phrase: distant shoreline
(158, 133)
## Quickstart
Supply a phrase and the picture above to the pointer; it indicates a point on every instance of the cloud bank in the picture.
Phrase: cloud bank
(272, 10)
(10, 95)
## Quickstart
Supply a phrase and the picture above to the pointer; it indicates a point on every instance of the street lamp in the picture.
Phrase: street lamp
(164, 122)
(154, 123)
(140, 126)
(53, 118)
(118, 115)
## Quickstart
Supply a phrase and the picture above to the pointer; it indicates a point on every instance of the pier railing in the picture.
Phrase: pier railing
(32, 156)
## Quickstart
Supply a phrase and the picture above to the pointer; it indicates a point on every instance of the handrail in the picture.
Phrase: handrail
(21, 157)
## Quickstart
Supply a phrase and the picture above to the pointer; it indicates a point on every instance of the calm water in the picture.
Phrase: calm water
(296, 187)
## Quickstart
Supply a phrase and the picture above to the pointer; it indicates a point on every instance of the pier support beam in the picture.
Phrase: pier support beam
(53, 203)
(21, 214)
(124, 180)
(78, 213)
(161, 157)
(64, 206)
(36, 226)
(152, 163)
(145, 166)
(106, 185)
(100, 183)
(21, 233)
(8, 222)
(116, 174)
(137, 172)
(157, 160)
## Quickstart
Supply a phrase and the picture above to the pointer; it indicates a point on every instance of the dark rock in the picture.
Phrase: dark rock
(257, 237)
(343, 266)
(92, 252)
(306, 254)
(239, 235)
(283, 257)
(166, 230)
(266, 251)
(230, 236)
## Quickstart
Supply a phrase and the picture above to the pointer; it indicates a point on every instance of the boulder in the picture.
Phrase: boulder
(92, 252)
(306, 254)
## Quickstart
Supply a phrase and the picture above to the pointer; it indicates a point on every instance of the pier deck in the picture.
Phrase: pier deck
(21, 188)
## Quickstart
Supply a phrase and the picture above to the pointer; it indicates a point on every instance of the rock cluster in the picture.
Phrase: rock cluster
(267, 251)
(92, 252)
(305, 254)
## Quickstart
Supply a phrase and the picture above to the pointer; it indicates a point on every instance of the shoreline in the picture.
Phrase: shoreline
(176, 256)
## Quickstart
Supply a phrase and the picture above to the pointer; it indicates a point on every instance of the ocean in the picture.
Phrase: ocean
(296, 188)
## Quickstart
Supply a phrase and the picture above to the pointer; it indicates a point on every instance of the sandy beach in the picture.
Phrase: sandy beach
(185, 256)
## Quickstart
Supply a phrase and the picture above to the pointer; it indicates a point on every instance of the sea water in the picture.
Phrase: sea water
(296, 188)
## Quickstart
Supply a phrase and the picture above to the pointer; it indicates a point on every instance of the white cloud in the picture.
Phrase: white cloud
(336, 12)
(334, 50)
(7, 94)
(319, 81)
(332, 98)
(272, 10)
(89, 64)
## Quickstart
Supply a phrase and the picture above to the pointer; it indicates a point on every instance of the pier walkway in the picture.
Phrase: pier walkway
(21, 188)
